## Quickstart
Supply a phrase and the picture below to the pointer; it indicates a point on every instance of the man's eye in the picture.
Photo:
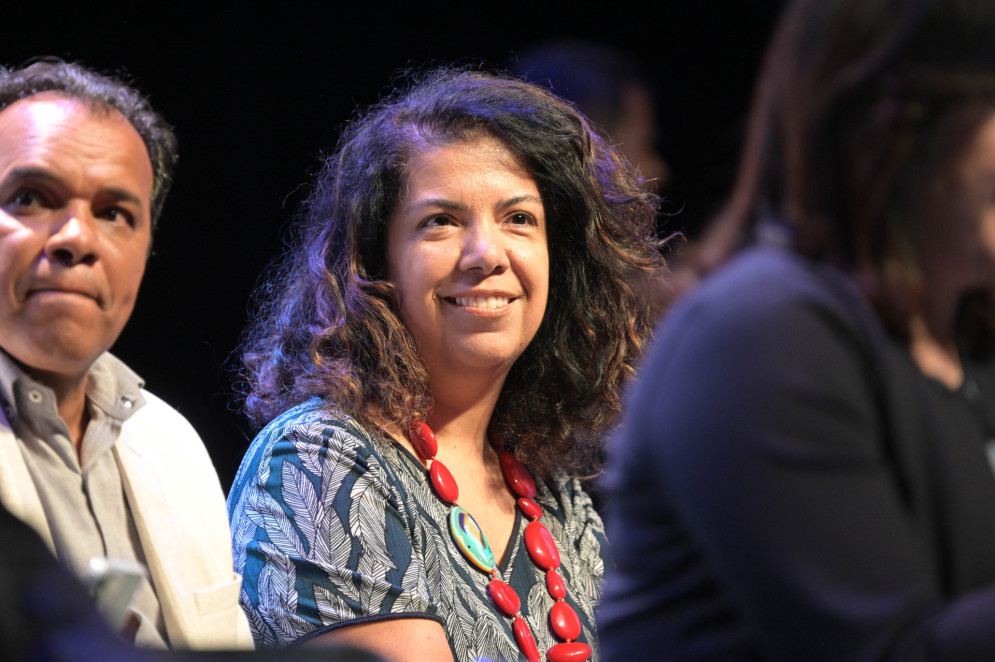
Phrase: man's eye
(116, 215)
(27, 198)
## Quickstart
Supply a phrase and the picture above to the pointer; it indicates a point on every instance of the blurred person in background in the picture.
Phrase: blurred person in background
(611, 88)
(806, 470)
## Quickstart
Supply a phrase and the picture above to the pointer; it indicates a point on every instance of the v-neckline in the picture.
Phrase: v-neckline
(514, 540)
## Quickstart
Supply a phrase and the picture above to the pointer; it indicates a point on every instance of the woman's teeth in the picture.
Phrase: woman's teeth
(482, 302)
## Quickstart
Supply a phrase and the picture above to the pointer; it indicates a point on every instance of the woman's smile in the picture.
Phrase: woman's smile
(488, 302)
(467, 253)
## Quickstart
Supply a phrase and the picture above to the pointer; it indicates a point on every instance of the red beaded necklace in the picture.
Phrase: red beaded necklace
(538, 541)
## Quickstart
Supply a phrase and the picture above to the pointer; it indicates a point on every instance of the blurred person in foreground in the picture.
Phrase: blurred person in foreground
(46, 615)
(461, 268)
(806, 471)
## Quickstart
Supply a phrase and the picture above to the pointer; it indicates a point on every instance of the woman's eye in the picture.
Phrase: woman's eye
(521, 218)
(436, 221)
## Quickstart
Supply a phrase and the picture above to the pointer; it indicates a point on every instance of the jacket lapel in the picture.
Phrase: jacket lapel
(161, 535)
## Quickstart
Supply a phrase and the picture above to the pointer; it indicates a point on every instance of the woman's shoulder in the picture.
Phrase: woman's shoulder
(315, 411)
(768, 323)
(764, 296)
(311, 434)
(316, 421)
(763, 279)
(562, 487)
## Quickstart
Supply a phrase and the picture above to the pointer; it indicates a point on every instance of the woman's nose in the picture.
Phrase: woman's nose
(484, 249)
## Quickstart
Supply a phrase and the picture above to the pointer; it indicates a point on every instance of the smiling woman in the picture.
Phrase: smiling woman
(457, 306)
(466, 250)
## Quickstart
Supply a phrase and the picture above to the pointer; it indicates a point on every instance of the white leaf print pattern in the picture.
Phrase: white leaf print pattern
(269, 516)
(299, 494)
(587, 568)
(243, 530)
(414, 575)
(278, 594)
(329, 544)
(334, 542)
(262, 636)
(489, 630)
(367, 519)
(539, 604)
(246, 511)
(333, 451)
(303, 438)
(331, 608)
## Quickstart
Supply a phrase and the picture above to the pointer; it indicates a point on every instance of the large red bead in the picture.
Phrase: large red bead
(564, 620)
(529, 508)
(423, 439)
(526, 642)
(575, 651)
(505, 597)
(541, 546)
(555, 585)
(518, 477)
(443, 482)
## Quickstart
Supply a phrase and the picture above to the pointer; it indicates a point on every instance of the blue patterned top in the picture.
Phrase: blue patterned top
(334, 523)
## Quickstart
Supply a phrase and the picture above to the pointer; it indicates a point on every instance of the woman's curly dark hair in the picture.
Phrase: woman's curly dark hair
(327, 322)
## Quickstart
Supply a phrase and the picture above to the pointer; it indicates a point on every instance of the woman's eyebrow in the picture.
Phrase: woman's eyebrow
(435, 202)
(518, 199)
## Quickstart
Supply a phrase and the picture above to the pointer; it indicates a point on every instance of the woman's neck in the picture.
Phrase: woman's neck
(933, 345)
(460, 416)
(462, 409)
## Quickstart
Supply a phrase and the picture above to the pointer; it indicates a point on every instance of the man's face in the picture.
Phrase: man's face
(75, 227)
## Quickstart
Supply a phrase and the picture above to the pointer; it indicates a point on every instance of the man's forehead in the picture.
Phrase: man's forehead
(43, 109)
(39, 112)
(53, 103)
(53, 127)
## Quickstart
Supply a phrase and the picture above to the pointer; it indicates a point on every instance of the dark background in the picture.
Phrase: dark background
(257, 96)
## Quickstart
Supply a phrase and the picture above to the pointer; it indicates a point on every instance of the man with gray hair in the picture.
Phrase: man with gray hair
(99, 467)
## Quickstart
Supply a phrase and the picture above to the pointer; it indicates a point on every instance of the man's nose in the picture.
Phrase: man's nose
(484, 248)
(73, 237)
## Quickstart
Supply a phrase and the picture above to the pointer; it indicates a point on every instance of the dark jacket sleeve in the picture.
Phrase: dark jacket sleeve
(782, 528)
(46, 615)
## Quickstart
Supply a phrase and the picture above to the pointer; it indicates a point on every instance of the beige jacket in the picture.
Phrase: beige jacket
(179, 509)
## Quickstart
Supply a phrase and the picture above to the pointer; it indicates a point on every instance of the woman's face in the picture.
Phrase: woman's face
(467, 252)
(955, 235)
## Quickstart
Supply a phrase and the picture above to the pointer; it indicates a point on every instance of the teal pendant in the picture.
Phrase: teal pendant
(470, 539)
